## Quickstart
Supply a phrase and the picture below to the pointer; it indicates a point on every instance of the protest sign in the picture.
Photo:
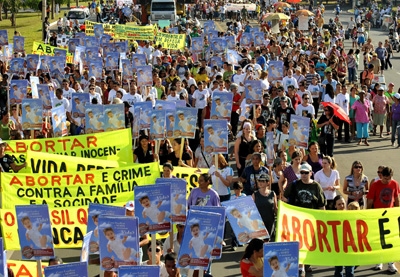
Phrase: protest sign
(24, 268)
(16, 66)
(231, 42)
(19, 44)
(60, 53)
(178, 197)
(157, 126)
(218, 45)
(105, 38)
(138, 60)
(185, 122)
(165, 105)
(216, 136)
(44, 96)
(174, 30)
(153, 208)
(209, 26)
(119, 241)
(59, 121)
(108, 47)
(98, 30)
(135, 123)
(79, 52)
(3, 37)
(86, 247)
(94, 119)
(56, 63)
(216, 61)
(7, 52)
(139, 271)
(145, 114)
(109, 186)
(281, 258)
(92, 52)
(127, 72)
(114, 117)
(135, 32)
(198, 239)
(95, 210)
(34, 81)
(216, 252)
(72, 44)
(34, 230)
(269, 140)
(197, 45)
(112, 60)
(32, 114)
(79, 100)
(299, 131)
(246, 39)
(171, 41)
(45, 49)
(144, 75)
(3, 260)
(221, 105)
(253, 91)
(107, 28)
(259, 39)
(71, 270)
(233, 57)
(303, 23)
(18, 91)
(96, 69)
(212, 34)
(245, 219)
(275, 71)
(120, 47)
(169, 123)
(32, 62)
(62, 40)
(44, 63)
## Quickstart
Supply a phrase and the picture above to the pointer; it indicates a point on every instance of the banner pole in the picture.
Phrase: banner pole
(171, 238)
(216, 169)
(39, 268)
(32, 134)
(201, 273)
(153, 249)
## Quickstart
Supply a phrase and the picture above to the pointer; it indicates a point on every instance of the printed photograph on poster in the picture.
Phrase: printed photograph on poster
(216, 61)
(275, 71)
(209, 26)
(246, 40)
(245, 219)
(86, 247)
(44, 95)
(185, 122)
(269, 138)
(59, 121)
(303, 23)
(60, 53)
(98, 30)
(299, 131)
(92, 52)
(114, 117)
(216, 136)
(120, 47)
(165, 105)
(94, 211)
(3, 37)
(18, 91)
(180, 103)
(3, 260)
(105, 38)
(79, 100)
(218, 45)
(139, 271)
(178, 198)
(90, 41)
(79, 50)
(32, 114)
(216, 252)
(32, 62)
(62, 40)
(157, 126)
(108, 47)
(153, 208)
(19, 44)
(145, 114)
(34, 231)
(57, 76)
(71, 270)
(144, 75)
(197, 45)
(57, 63)
(16, 66)
(174, 30)
(221, 105)
(94, 119)
(135, 123)
(96, 69)
(127, 72)
(259, 39)
(112, 60)
(231, 42)
(81, 37)
(212, 34)
(254, 30)
(44, 63)
(72, 44)
(138, 60)
(198, 239)
(34, 82)
(232, 57)
(281, 258)
(170, 123)
(253, 91)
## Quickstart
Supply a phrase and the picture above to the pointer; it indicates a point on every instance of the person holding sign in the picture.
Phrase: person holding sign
(178, 159)
(224, 173)
(252, 260)
(203, 195)
(159, 253)
(7, 161)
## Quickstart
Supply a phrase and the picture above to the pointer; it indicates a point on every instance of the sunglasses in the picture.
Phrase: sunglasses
(358, 167)
(306, 98)
(326, 110)
(157, 250)
(304, 172)
(379, 172)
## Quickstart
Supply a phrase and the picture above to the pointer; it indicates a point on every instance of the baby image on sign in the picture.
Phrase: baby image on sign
(221, 105)
(34, 230)
(114, 117)
(32, 62)
(79, 101)
(275, 71)
(281, 258)
(299, 131)
(253, 92)
(18, 91)
(32, 114)
(59, 121)
(157, 127)
(169, 123)
(185, 122)
(44, 96)
(216, 136)
(145, 114)
(94, 119)
(86, 247)
(178, 198)
(245, 219)
(197, 45)
(144, 75)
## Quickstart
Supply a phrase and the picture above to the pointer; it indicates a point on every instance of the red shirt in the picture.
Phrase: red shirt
(236, 98)
(295, 100)
(383, 195)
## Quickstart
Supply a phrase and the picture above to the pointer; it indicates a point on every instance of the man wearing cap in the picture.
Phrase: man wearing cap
(376, 63)
(251, 174)
(381, 107)
(276, 102)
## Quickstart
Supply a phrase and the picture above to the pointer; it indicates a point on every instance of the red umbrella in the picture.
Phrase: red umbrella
(293, 1)
(338, 111)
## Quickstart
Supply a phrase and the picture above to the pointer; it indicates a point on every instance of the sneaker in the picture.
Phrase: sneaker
(392, 268)
(378, 267)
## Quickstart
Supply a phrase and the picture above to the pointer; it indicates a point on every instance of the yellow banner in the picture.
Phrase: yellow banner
(25, 268)
(76, 189)
(341, 238)
(45, 49)
(89, 31)
(40, 162)
(114, 146)
(135, 32)
(171, 41)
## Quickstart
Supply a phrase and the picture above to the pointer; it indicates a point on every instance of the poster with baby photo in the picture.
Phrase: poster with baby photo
(231, 42)
(3, 37)
(216, 136)
(19, 43)
(95, 210)
(209, 26)
(198, 239)
(281, 258)
(86, 247)
(157, 126)
(72, 44)
(169, 123)
(135, 123)
(120, 47)
(153, 208)
(219, 45)
(91, 41)
(145, 114)
(105, 38)
(127, 72)
(96, 69)
(245, 219)
(139, 271)
(144, 75)
(71, 270)
(3, 260)
(178, 198)
(34, 231)
(165, 105)
(44, 95)
(60, 53)
(221, 105)
(44, 63)
(16, 66)
(18, 91)
(94, 119)
(216, 61)
(212, 34)
(275, 71)
(138, 60)
(112, 61)
(59, 121)
(114, 117)
(197, 45)
(253, 92)
(32, 114)
(108, 47)
(34, 82)
(79, 100)
(232, 57)
(246, 40)
(259, 39)
(216, 253)
(119, 241)
(185, 122)
(79, 50)
(32, 62)
(299, 131)
(98, 30)
(7, 53)
(81, 37)
(269, 138)
(92, 52)
(57, 63)
(57, 77)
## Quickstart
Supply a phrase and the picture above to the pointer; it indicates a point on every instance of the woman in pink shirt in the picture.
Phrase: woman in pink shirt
(362, 117)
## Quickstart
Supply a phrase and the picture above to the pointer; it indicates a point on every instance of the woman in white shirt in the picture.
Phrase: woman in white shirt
(329, 179)
(224, 176)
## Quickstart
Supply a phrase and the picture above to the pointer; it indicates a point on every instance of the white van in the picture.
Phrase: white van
(81, 14)
(163, 10)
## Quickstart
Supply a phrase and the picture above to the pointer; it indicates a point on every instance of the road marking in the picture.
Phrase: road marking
(219, 26)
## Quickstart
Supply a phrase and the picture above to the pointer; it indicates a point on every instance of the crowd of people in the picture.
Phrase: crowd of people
(320, 77)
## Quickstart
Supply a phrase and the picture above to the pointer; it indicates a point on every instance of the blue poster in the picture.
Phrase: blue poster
(275, 71)
(57, 76)
(145, 114)
(79, 100)
(299, 131)
(32, 114)
(127, 72)
(216, 61)
(185, 122)
(259, 39)
(44, 63)
(92, 52)
(212, 34)
(232, 57)
(81, 37)
(198, 239)
(157, 126)
(112, 61)
(96, 69)
(79, 54)
(19, 44)
(269, 138)
(165, 105)
(57, 63)
(245, 219)
(94, 119)
(120, 47)
(253, 92)
(216, 136)
(71, 270)
(281, 258)
(72, 44)
(114, 117)
(231, 42)
(173, 30)
(108, 47)
(59, 121)
(221, 106)
(18, 91)
(144, 76)
(197, 45)
(119, 241)
(34, 231)
(34, 81)
(219, 45)
(246, 40)
(86, 247)
(178, 197)
(98, 30)
(139, 271)
(138, 60)
(169, 123)
(135, 123)
(3, 37)
(60, 53)
(32, 62)
(91, 41)
(16, 66)
(209, 26)
(105, 38)
(3, 260)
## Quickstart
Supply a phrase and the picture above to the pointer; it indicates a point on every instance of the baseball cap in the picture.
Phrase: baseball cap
(306, 167)
(127, 105)
(92, 78)
(391, 84)
(258, 126)
(264, 177)
(130, 206)
(5, 143)
(397, 95)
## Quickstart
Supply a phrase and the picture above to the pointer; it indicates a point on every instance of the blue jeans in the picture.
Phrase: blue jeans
(348, 269)
(396, 128)
(362, 130)
(222, 16)
(352, 74)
